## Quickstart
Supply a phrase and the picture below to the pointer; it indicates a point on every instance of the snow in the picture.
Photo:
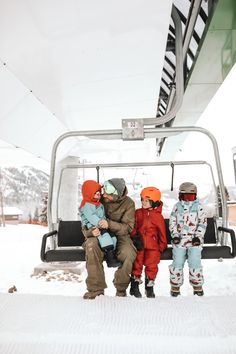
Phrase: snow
(47, 313)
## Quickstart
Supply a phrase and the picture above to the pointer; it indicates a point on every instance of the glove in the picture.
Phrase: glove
(196, 241)
(176, 240)
(138, 243)
(162, 249)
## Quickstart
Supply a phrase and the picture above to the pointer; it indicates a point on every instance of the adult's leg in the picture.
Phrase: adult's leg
(126, 253)
(94, 264)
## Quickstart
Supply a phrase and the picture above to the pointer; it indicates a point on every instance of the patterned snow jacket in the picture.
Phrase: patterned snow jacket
(188, 220)
(150, 225)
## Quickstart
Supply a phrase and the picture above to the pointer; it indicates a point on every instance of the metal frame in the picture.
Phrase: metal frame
(148, 133)
(131, 164)
(234, 162)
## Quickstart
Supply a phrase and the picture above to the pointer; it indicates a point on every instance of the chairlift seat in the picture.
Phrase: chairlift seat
(211, 248)
(69, 239)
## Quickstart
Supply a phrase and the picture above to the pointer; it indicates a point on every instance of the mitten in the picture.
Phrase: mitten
(176, 240)
(196, 241)
(138, 243)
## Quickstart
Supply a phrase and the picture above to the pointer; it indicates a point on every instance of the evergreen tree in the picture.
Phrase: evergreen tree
(43, 217)
(36, 215)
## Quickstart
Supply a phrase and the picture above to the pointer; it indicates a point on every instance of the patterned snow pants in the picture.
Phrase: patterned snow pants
(180, 255)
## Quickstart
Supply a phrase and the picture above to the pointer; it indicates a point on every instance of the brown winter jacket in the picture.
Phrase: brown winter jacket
(120, 216)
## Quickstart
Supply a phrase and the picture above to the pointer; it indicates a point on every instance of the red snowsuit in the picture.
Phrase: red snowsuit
(150, 225)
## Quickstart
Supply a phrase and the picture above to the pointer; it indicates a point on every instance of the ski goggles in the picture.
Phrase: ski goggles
(188, 197)
(109, 188)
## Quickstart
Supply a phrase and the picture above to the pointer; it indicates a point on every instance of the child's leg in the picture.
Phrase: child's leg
(176, 268)
(151, 261)
(136, 274)
(114, 240)
(106, 243)
(195, 266)
(138, 265)
(105, 240)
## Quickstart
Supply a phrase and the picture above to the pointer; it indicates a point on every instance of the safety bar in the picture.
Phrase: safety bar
(232, 236)
(44, 241)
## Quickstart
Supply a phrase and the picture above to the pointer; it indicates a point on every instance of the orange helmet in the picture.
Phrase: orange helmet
(151, 193)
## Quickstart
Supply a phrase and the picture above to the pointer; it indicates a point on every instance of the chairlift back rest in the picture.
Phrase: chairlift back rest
(70, 235)
(210, 234)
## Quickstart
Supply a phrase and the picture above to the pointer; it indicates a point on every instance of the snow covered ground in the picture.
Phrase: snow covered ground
(47, 314)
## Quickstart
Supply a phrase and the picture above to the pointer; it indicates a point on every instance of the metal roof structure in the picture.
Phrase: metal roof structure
(77, 65)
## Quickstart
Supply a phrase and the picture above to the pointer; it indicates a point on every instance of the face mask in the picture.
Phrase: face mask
(187, 197)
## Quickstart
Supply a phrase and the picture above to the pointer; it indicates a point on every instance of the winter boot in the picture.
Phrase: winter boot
(112, 261)
(121, 293)
(134, 287)
(174, 291)
(197, 290)
(91, 295)
(149, 284)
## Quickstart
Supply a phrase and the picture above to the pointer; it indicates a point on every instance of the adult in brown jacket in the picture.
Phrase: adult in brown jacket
(120, 219)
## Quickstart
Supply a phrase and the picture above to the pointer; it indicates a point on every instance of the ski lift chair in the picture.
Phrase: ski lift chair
(66, 237)
(69, 240)
(212, 249)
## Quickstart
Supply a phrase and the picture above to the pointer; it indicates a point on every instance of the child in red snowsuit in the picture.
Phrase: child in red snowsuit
(149, 237)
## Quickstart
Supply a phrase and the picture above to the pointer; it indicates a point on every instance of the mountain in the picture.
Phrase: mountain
(24, 187)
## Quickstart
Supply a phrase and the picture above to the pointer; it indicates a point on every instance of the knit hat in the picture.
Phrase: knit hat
(118, 184)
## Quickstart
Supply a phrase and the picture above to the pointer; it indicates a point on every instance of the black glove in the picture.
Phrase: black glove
(176, 240)
(196, 241)
(138, 243)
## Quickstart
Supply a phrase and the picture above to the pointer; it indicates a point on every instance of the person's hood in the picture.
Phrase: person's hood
(89, 188)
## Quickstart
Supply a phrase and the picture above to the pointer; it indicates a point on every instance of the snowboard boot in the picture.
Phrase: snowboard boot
(197, 290)
(112, 261)
(149, 284)
(134, 287)
(174, 291)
